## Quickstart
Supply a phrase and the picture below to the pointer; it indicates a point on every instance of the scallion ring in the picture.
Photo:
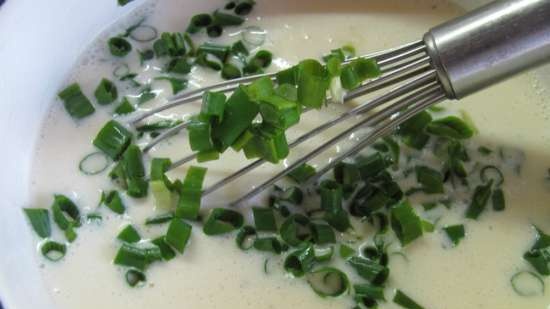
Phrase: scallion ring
(328, 282)
(53, 251)
(94, 163)
(527, 284)
(121, 70)
(489, 172)
(135, 277)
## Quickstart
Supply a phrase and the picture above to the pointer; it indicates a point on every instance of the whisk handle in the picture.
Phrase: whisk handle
(490, 44)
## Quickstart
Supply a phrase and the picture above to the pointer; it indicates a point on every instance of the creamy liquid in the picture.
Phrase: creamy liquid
(213, 273)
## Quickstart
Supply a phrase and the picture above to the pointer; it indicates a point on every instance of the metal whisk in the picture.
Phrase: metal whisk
(452, 60)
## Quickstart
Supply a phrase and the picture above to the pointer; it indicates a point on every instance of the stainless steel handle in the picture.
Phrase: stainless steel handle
(490, 44)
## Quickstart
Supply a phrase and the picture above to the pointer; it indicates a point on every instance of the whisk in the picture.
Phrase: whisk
(452, 60)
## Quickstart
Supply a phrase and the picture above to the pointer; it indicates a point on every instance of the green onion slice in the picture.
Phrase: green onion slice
(527, 284)
(479, 201)
(264, 219)
(119, 47)
(246, 237)
(328, 282)
(160, 219)
(198, 22)
(94, 163)
(114, 202)
(53, 251)
(450, 127)
(222, 221)
(165, 250)
(75, 102)
(491, 172)
(372, 271)
(323, 254)
(129, 234)
(121, 70)
(366, 290)
(346, 251)
(405, 301)
(295, 230)
(190, 193)
(65, 212)
(322, 234)
(498, 200)
(405, 223)
(455, 233)
(106, 92)
(135, 278)
(178, 234)
(138, 257)
(39, 219)
(113, 139)
(300, 262)
(431, 181)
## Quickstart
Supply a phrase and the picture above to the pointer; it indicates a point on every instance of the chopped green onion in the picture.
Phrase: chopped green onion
(288, 76)
(200, 135)
(231, 71)
(198, 22)
(157, 126)
(322, 234)
(119, 47)
(323, 254)
(161, 194)
(135, 277)
(106, 92)
(451, 127)
(65, 212)
(220, 51)
(165, 250)
(39, 219)
(113, 139)
(244, 7)
(497, 198)
(300, 262)
(328, 282)
(136, 257)
(113, 201)
(331, 202)
(431, 181)
(366, 290)
(239, 113)
(75, 102)
(493, 173)
(279, 111)
(94, 163)
(527, 284)
(485, 151)
(121, 70)
(261, 59)
(160, 219)
(123, 2)
(213, 105)
(238, 48)
(129, 234)
(179, 65)
(479, 201)
(264, 219)
(222, 221)
(224, 19)
(178, 234)
(246, 237)
(405, 223)
(208, 155)
(302, 173)
(371, 166)
(70, 233)
(268, 244)
(53, 250)
(346, 251)
(190, 193)
(313, 83)
(373, 272)
(132, 164)
(539, 255)
(214, 31)
(159, 167)
(94, 218)
(295, 230)
(405, 301)
(455, 233)
(427, 226)
(146, 55)
(177, 84)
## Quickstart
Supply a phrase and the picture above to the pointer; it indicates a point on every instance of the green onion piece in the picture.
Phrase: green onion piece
(279, 111)
(129, 234)
(121, 70)
(113, 139)
(239, 113)
(313, 82)
(412, 130)
(295, 230)
(244, 7)
(177, 84)
(288, 76)
(224, 19)
(238, 48)
(161, 194)
(334, 67)
(370, 291)
(358, 70)
(200, 132)
(242, 140)
(261, 59)
(497, 198)
(208, 155)
(220, 51)
(198, 22)
(135, 277)
(65, 212)
(427, 226)
(213, 105)
(322, 234)
(159, 167)
(231, 71)
(328, 282)
(264, 219)
(493, 173)
(372, 271)
(346, 251)
(455, 233)
(268, 142)
(293, 195)
(405, 223)
(39, 219)
(146, 55)
(479, 201)
(113, 201)
(268, 244)
(160, 219)
(119, 47)
(539, 255)
(331, 202)
(158, 126)
(431, 181)
(165, 250)
(371, 166)
(300, 262)
(75, 102)
(214, 31)
(484, 151)
(190, 193)
(179, 65)
(222, 221)
(134, 170)
(106, 92)
(94, 218)
(70, 234)
(53, 251)
(178, 234)
(136, 257)
(125, 107)
(527, 284)
(405, 301)
(93, 163)
(323, 254)
(123, 2)
(302, 173)
(246, 237)
(287, 91)
(347, 174)
(450, 127)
